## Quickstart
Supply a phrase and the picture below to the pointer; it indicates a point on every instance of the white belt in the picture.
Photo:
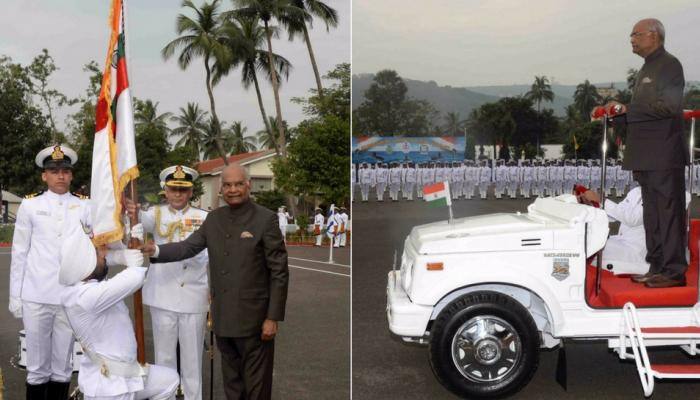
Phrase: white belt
(117, 368)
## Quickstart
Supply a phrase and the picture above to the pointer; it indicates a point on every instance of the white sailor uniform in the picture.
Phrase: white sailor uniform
(318, 228)
(178, 295)
(102, 325)
(38, 235)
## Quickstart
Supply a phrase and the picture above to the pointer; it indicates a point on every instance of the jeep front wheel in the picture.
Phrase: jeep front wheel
(484, 344)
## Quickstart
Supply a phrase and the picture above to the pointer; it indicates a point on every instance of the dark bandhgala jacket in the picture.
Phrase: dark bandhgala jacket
(654, 118)
(248, 269)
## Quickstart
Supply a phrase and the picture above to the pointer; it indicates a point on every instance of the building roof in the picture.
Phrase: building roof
(10, 197)
(213, 167)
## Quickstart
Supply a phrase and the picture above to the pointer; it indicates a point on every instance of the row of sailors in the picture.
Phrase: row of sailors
(541, 177)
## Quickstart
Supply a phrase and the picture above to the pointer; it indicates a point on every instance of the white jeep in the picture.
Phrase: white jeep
(487, 292)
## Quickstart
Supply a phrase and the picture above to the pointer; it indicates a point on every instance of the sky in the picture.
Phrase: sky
(76, 32)
(503, 42)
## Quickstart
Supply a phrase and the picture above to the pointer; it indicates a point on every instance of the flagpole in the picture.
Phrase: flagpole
(133, 242)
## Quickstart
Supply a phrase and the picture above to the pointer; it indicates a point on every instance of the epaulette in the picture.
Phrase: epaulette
(32, 195)
(80, 196)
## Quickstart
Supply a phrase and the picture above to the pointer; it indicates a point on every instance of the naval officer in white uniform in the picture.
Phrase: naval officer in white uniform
(35, 294)
(177, 293)
(100, 319)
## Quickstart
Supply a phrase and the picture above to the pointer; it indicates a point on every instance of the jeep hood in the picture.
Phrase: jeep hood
(512, 231)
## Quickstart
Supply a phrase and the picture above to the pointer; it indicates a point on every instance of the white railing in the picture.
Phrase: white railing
(639, 351)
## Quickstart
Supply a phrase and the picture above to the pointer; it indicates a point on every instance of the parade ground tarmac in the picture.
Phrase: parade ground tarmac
(312, 349)
(386, 368)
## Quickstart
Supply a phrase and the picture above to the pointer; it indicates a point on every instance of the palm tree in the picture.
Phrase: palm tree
(191, 126)
(146, 116)
(586, 97)
(285, 12)
(214, 135)
(540, 90)
(297, 26)
(240, 143)
(201, 37)
(246, 37)
(452, 123)
(266, 138)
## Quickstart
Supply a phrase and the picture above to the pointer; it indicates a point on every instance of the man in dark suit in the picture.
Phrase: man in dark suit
(657, 153)
(249, 277)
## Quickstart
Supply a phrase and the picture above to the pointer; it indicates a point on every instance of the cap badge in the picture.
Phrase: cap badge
(57, 153)
(179, 173)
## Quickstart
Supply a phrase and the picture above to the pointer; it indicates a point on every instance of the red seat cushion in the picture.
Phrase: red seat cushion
(615, 291)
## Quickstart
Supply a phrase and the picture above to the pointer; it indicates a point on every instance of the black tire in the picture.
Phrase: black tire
(487, 321)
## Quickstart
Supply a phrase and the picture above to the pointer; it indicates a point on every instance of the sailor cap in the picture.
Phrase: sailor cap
(56, 156)
(178, 176)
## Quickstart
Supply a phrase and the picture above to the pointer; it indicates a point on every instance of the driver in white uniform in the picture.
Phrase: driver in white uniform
(627, 250)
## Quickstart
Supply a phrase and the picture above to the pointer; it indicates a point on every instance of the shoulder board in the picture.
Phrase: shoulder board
(33, 195)
(80, 196)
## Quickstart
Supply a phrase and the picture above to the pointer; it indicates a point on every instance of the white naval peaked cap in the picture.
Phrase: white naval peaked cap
(57, 155)
(178, 176)
(78, 257)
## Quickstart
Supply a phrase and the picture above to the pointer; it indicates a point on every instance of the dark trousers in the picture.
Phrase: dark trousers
(246, 365)
(663, 199)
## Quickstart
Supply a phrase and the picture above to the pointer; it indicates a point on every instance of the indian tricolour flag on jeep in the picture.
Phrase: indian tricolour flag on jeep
(437, 194)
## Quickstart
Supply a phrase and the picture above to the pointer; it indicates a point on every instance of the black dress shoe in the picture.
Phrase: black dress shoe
(663, 281)
(643, 278)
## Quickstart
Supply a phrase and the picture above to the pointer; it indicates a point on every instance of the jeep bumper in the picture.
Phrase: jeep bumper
(406, 319)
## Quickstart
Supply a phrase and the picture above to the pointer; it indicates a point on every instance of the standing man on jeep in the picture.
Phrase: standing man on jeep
(654, 119)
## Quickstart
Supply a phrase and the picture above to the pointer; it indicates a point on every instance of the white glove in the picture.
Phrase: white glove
(130, 258)
(137, 232)
(15, 307)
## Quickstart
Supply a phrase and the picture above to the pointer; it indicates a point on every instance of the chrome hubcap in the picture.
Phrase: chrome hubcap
(486, 349)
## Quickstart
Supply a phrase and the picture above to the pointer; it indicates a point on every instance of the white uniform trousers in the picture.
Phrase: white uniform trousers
(381, 188)
(319, 239)
(283, 230)
(456, 187)
(620, 187)
(394, 191)
(169, 327)
(364, 190)
(512, 188)
(568, 186)
(483, 187)
(160, 384)
(408, 190)
(343, 239)
(49, 340)
(626, 257)
(525, 189)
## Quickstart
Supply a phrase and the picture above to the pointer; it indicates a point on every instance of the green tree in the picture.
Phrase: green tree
(266, 139)
(453, 124)
(191, 124)
(245, 38)
(285, 12)
(240, 143)
(151, 145)
(540, 91)
(24, 131)
(297, 26)
(146, 116)
(336, 98)
(586, 97)
(589, 136)
(40, 71)
(81, 126)
(318, 161)
(202, 37)
(388, 111)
